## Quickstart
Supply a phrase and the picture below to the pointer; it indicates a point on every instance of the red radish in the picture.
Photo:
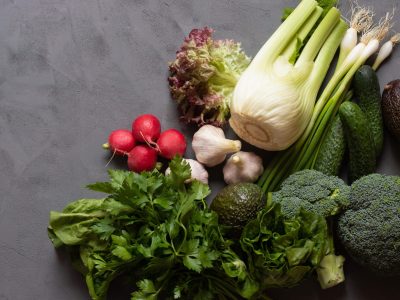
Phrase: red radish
(170, 143)
(146, 128)
(142, 158)
(120, 142)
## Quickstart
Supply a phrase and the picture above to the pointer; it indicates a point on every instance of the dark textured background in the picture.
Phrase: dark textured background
(73, 70)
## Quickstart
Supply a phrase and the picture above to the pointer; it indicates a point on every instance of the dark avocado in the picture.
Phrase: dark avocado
(391, 107)
(236, 204)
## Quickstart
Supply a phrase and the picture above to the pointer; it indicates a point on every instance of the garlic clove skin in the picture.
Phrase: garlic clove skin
(211, 147)
(243, 167)
(198, 172)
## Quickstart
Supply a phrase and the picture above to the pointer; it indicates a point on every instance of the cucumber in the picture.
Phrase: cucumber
(333, 147)
(367, 90)
(362, 158)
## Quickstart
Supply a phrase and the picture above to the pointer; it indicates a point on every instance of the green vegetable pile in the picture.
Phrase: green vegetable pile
(159, 231)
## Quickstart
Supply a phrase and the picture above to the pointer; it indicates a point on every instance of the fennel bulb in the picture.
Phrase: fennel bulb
(274, 98)
(269, 111)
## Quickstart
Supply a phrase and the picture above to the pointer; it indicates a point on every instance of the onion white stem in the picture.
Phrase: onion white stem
(385, 51)
(361, 20)
(348, 43)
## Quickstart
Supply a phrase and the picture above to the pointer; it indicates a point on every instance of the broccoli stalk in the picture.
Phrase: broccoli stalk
(330, 270)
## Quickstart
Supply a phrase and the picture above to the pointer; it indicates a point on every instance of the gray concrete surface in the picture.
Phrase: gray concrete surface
(73, 70)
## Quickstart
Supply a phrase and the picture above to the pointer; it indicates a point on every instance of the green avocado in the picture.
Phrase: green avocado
(236, 204)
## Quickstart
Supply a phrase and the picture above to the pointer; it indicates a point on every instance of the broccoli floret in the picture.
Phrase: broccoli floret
(314, 191)
(326, 196)
(370, 228)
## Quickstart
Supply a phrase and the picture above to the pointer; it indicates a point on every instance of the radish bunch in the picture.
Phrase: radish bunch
(145, 142)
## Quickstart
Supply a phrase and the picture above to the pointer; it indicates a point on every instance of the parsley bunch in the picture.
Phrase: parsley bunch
(156, 229)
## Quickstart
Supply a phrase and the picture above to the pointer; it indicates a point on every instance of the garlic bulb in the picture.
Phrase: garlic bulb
(198, 172)
(211, 147)
(243, 167)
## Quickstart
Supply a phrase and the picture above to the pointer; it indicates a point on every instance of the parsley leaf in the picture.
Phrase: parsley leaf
(146, 291)
(156, 229)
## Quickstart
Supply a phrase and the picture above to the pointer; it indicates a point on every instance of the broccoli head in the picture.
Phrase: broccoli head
(370, 228)
(314, 191)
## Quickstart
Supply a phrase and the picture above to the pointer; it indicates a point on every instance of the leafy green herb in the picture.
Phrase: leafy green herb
(160, 232)
(154, 228)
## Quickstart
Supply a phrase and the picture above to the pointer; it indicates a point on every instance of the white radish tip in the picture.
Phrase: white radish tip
(111, 158)
(106, 146)
(150, 143)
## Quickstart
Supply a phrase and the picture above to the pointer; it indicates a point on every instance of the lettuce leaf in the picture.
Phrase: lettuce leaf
(203, 77)
(281, 252)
